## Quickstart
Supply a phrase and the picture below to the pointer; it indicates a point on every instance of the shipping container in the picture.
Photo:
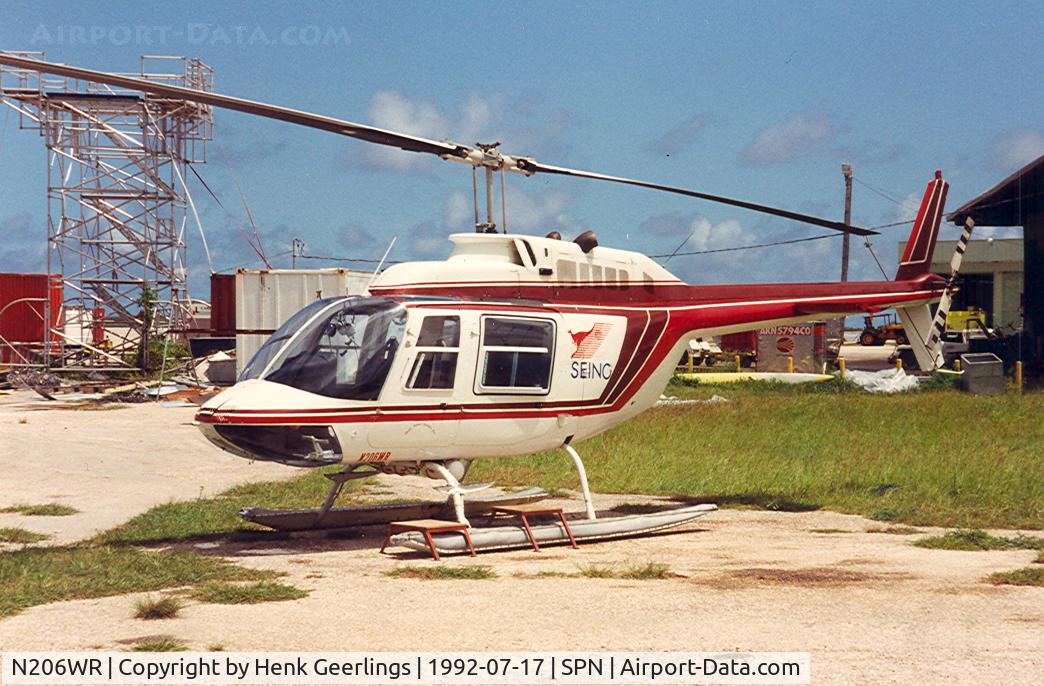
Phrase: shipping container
(805, 346)
(24, 300)
(223, 305)
(265, 298)
(743, 344)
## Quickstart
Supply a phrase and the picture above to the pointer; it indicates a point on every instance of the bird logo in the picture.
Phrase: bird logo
(588, 342)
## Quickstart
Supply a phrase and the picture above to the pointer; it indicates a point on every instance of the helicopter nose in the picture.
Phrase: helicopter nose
(239, 420)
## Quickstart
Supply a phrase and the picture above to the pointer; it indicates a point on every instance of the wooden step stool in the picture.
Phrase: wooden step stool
(527, 510)
(429, 527)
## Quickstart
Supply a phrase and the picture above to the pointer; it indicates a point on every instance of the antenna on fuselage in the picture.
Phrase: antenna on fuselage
(381, 263)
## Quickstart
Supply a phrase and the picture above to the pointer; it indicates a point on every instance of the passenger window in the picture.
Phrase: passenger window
(435, 364)
(596, 272)
(610, 276)
(516, 355)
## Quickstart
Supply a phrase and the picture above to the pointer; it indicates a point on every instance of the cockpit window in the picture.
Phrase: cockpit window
(344, 352)
(277, 341)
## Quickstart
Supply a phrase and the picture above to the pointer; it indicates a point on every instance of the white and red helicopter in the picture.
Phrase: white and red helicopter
(513, 345)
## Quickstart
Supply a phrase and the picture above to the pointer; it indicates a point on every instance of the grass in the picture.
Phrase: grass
(45, 510)
(1040, 557)
(111, 563)
(958, 460)
(963, 539)
(96, 406)
(13, 534)
(247, 594)
(34, 576)
(885, 514)
(649, 570)
(166, 607)
(830, 531)
(439, 572)
(596, 571)
(161, 645)
(1027, 576)
(897, 530)
(640, 571)
(218, 517)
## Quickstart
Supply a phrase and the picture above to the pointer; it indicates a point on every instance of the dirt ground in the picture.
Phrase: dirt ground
(871, 608)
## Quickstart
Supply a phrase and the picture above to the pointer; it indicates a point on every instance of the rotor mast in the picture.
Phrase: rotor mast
(491, 160)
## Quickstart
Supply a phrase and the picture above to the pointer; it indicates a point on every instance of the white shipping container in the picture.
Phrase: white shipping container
(265, 298)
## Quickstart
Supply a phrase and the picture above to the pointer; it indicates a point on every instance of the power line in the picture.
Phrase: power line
(247, 264)
(888, 226)
(346, 259)
(750, 247)
(878, 191)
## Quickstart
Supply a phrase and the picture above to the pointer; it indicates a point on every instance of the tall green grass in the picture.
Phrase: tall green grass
(33, 576)
(218, 517)
(936, 457)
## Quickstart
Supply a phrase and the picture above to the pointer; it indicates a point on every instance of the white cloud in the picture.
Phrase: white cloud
(486, 118)
(907, 210)
(528, 212)
(1017, 148)
(428, 242)
(458, 211)
(798, 262)
(707, 236)
(680, 137)
(24, 248)
(799, 135)
(393, 111)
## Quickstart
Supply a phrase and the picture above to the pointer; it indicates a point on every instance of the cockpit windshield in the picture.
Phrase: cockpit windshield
(337, 347)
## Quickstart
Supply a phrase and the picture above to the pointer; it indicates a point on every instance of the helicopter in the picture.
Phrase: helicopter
(515, 344)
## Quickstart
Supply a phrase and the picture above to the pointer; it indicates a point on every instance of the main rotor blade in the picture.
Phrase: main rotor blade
(315, 121)
(528, 165)
(444, 149)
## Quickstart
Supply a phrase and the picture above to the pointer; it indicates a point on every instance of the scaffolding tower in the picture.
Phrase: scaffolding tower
(117, 203)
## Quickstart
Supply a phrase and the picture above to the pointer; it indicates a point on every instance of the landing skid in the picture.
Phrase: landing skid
(384, 513)
(508, 537)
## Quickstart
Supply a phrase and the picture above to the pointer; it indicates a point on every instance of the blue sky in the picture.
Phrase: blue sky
(757, 100)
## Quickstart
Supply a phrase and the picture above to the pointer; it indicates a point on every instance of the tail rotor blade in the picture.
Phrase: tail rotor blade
(939, 323)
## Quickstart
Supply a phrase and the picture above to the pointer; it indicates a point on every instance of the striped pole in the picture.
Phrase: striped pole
(947, 297)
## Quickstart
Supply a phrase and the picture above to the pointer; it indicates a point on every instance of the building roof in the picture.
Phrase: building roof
(1009, 202)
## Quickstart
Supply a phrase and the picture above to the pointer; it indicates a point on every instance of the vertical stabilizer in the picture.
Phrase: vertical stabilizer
(917, 259)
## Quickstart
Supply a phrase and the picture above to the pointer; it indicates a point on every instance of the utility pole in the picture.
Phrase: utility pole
(297, 247)
(846, 170)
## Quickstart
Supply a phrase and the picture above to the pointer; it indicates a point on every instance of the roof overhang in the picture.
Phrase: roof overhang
(1009, 202)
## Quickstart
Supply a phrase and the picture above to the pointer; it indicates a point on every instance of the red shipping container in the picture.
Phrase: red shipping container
(742, 342)
(22, 306)
(223, 304)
